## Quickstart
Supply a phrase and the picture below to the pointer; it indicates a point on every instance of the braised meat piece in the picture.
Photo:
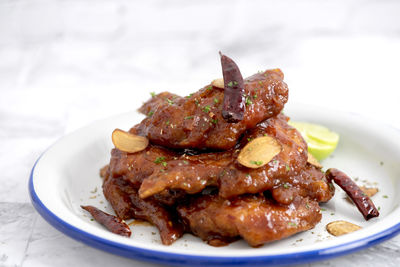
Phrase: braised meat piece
(127, 204)
(255, 218)
(196, 121)
(157, 170)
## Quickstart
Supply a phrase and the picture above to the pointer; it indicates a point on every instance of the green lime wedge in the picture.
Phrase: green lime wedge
(320, 140)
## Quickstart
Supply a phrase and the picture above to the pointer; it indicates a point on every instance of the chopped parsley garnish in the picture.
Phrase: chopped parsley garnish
(164, 163)
(248, 101)
(323, 209)
(153, 94)
(235, 83)
(255, 96)
(260, 83)
(385, 196)
(286, 186)
(186, 162)
(167, 122)
(159, 160)
(292, 224)
(249, 139)
(209, 88)
(150, 113)
(287, 167)
(169, 101)
(189, 96)
(206, 109)
(248, 175)
(230, 84)
(216, 100)
(188, 117)
(215, 121)
(258, 163)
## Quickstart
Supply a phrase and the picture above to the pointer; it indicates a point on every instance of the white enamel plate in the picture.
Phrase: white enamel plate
(67, 176)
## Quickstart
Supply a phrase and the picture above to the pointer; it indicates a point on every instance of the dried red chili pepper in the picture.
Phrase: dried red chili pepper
(112, 223)
(360, 199)
(234, 99)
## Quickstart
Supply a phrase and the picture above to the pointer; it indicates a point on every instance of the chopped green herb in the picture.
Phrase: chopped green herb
(188, 117)
(153, 94)
(164, 163)
(249, 139)
(287, 167)
(150, 113)
(235, 83)
(274, 161)
(159, 160)
(206, 109)
(292, 224)
(169, 101)
(286, 186)
(258, 163)
(260, 82)
(255, 96)
(167, 122)
(385, 196)
(248, 101)
(230, 84)
(186, 162)
(307, 206)
(189, 96)
(215, 121)
(216, 100)
(209, 88)
(379, 208)
(265, 134)
(323, 209)
(332, 213)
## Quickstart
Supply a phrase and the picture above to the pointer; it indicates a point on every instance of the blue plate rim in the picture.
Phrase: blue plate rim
(177, 259)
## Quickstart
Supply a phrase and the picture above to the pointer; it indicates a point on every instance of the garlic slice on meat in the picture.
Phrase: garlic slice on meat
(128, 142)
(259, 152)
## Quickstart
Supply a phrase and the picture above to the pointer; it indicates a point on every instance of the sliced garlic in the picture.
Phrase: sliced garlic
(338, 228)
(218, 83)
(259, 152)
(128, 142)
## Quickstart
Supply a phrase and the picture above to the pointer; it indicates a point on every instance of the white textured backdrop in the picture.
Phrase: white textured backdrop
(65, 63)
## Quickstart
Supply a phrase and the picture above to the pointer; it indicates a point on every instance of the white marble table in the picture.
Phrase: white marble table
(64, 64)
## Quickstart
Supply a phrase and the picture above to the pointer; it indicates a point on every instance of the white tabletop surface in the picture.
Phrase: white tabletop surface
(66, 63)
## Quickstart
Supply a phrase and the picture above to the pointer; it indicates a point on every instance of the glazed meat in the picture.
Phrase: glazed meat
(157, 170)
(127, 204)
(255, 218)
(196, 121)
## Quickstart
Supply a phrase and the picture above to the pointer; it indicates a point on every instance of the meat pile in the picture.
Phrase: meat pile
(189, 180)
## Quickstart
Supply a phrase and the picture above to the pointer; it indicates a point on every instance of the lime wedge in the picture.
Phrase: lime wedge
(320, 140)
